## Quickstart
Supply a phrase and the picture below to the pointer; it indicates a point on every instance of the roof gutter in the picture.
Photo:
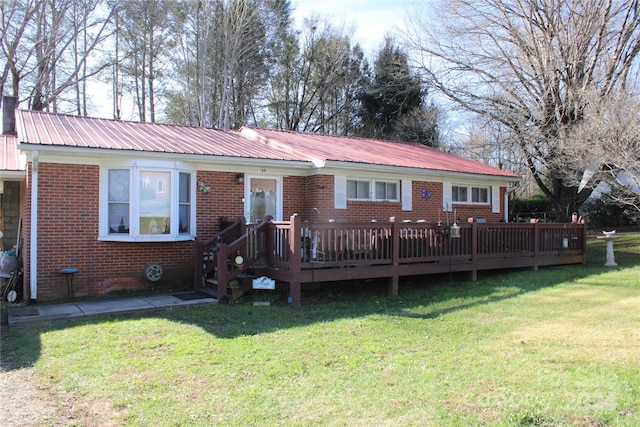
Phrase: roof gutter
(33, 250)
(433, 173)
(201, 159)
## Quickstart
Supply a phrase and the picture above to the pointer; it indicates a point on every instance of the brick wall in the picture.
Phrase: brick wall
(68, 226)
(319, 193)
(224, 200)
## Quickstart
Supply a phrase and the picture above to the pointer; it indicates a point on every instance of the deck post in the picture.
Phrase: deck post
(473, 274)
(221, 276)
(295, 237)
(536, 245)
(198, 258)
(583, 230)
(395, 256)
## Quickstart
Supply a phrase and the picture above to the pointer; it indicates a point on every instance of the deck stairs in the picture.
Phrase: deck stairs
(231, 253)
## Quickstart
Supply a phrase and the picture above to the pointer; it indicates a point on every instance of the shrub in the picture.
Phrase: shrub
(606, 213)
(536, 206)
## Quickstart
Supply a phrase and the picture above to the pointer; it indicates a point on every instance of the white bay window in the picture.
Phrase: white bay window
(147, 203)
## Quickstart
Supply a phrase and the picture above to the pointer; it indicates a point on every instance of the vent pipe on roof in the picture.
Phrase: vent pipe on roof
(8, 115)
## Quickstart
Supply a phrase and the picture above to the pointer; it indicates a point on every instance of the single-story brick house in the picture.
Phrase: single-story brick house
(109, 197)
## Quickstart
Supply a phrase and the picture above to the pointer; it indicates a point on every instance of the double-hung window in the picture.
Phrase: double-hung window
(459, 194)
(386, 191)
(358, 189)
(147, 203)
(470, 195)
(480, 195)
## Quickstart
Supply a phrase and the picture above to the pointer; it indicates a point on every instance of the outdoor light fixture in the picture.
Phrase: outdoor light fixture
(454, 230)
(240, 178)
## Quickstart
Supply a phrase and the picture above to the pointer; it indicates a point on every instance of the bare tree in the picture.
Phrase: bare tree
(48, 45)
(17, 24)
(145, 38)
(606, 145)
(314, 87)
(529, 65)
(219, 63)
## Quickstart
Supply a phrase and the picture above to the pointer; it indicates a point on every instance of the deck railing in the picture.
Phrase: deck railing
(297, 252)
(338, 244)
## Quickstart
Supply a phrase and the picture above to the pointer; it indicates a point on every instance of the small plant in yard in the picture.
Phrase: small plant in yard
(556, 347)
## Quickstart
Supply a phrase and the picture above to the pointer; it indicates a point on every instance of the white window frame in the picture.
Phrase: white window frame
(479, 189)
(469, 190)
(365, 197)
(371, 196)
(175, 169)
(386, 183)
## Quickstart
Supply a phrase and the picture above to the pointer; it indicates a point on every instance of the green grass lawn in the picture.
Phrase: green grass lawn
(557, 347)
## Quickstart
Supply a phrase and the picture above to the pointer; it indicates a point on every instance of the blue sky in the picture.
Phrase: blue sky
(372, 19)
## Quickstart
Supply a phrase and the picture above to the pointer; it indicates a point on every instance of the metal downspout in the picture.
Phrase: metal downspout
(33, 251)
(510, 190)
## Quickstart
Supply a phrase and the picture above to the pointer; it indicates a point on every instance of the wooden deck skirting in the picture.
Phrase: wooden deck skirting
(295, 252)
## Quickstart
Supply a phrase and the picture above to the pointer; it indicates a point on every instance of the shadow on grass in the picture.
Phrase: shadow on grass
(425, 297)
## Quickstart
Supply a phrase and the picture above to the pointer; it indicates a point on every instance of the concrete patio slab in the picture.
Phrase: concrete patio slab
(34, 313)
(112, 307)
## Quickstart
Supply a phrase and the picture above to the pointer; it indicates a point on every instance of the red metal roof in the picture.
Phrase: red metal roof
(10, 158)
(375, 152)
(48, 129)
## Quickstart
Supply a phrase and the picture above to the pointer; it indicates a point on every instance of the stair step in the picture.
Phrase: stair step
(213, 281)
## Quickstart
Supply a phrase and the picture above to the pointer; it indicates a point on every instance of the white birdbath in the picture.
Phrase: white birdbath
(609, 236)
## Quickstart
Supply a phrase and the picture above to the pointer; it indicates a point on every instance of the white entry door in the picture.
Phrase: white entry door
(263, 196)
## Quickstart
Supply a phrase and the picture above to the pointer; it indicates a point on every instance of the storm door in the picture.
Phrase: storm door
(263, 196)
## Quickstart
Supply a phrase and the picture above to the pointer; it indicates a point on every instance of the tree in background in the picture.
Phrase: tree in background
(212, 63)
(219, 64)
(606, 145)
(146, 40)
(47, 49)
(392, 102)
(314, 81)
(534, 66)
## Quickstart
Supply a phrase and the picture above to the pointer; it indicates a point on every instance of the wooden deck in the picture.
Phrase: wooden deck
(295, 252)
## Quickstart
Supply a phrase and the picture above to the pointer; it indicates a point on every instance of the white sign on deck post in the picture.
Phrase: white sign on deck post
(264, 283)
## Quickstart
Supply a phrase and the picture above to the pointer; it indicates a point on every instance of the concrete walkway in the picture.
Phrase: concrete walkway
(37, 312)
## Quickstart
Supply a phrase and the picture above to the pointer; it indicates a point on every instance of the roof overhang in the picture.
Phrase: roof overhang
(333, 167)
(96, 155)
(12, 175)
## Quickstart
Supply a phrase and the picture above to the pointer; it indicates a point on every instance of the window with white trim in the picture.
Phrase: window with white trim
(383, 190)
(459, 194)
(470, 194)
(357, 190)
(480, 195)
(147, 204)
(386, 191)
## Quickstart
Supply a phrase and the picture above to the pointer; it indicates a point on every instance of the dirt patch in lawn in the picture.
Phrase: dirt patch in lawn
(26, 401)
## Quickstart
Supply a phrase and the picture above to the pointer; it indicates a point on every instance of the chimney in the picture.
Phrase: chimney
(9, 115)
